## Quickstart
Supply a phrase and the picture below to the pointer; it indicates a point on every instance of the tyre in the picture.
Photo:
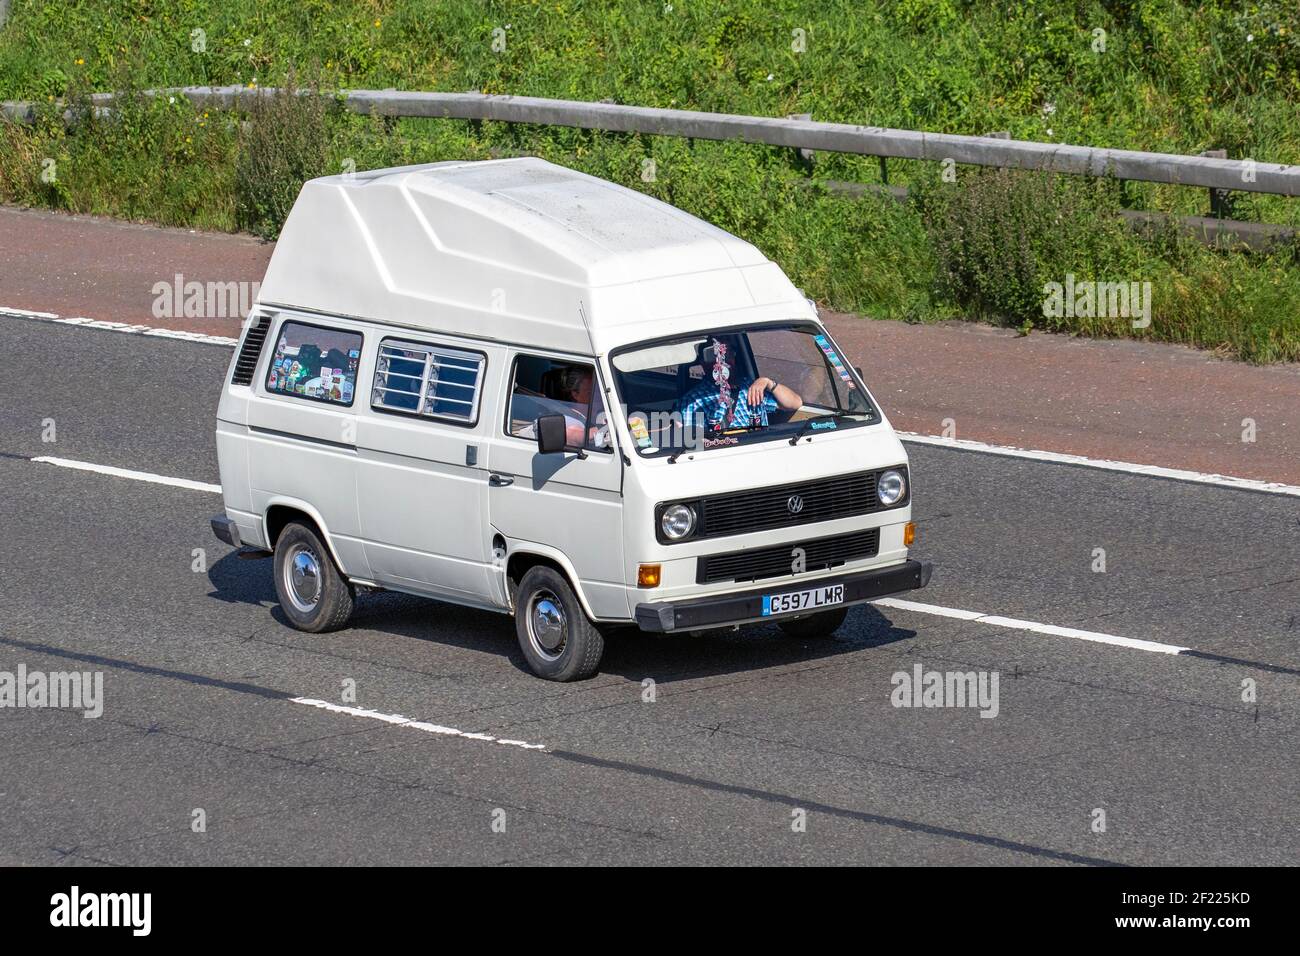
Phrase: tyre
(558, 641)
(313, 593)
(821, 624)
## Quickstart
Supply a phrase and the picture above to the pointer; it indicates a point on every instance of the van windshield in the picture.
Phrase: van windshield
(733, 386)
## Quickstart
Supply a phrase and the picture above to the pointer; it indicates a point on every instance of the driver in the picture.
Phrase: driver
(575, 388)
(725, 401)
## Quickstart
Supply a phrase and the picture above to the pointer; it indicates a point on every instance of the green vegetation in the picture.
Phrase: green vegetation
(1173, 76)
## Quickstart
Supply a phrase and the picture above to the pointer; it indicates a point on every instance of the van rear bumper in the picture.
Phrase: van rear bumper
(743, 608)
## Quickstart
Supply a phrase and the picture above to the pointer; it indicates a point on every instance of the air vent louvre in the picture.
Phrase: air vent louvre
(250, 352)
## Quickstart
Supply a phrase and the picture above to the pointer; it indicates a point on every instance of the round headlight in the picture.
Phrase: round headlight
(677, 521)
(891, 487)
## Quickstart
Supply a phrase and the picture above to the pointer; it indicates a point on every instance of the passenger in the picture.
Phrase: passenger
(724, 401)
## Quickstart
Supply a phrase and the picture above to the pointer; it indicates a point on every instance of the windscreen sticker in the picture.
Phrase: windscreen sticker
(640, 434)
(834, 358)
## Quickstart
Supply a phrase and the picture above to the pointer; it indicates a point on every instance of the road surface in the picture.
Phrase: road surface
(208, 694)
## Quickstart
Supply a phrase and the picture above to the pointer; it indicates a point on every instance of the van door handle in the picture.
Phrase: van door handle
(500, 481)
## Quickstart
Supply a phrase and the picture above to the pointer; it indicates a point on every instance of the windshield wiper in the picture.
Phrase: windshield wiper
(807, 424)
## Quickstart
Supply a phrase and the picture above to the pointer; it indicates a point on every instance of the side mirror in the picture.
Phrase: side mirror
(551, 434)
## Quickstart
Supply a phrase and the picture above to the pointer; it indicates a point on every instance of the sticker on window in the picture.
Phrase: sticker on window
(316, 363)
(833, 357)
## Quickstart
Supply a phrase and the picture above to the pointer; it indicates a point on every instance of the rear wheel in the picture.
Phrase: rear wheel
(821, 624)
(313, 593)
(557, 639)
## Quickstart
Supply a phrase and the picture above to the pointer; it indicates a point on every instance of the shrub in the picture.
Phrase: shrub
(1000, 235)
(283, 143)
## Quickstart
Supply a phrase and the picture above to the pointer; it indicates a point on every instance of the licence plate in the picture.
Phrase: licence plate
(808, 600)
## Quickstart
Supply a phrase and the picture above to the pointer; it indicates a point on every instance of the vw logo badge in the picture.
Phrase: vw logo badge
(795, 504)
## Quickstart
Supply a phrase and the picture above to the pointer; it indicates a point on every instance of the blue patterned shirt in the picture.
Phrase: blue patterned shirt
(703, 400)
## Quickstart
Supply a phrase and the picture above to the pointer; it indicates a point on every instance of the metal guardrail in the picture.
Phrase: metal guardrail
(802, 134)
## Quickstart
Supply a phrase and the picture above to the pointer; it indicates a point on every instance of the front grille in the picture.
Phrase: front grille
(759, 508)
(250, 352)
(755, 564)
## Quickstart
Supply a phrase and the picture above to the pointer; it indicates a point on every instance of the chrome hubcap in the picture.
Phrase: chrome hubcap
(302, 579)
(547, 628)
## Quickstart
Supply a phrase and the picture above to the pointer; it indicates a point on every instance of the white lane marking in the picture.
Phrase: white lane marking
(1150, 471)
(400, 721)
(148, 330)
(1096, 637)
(133, 475)
(929, 609)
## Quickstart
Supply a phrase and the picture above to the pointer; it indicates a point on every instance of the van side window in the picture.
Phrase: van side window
(315, 363)
(543, 386)
(430, 380)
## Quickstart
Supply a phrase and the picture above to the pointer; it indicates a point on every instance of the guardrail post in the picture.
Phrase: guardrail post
(1125, 197)
(1220, 199)
(805, 156)
(999, 134)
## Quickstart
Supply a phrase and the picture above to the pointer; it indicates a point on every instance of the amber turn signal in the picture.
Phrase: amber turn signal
(909, 534)
(647, 575)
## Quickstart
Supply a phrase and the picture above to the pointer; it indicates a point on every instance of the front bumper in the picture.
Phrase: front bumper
(742, 608)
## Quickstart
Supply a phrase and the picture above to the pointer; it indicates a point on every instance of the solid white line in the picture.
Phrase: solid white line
(28, 314)
(1150, 471)
(149, 330)
(133, 475)
(1096, 637)
(400, 721)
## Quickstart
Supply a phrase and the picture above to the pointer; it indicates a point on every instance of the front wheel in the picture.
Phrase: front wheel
(313, 593)
(557, 639)
(821, 624)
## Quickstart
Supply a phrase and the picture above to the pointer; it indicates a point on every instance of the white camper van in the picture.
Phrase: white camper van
(513, 386)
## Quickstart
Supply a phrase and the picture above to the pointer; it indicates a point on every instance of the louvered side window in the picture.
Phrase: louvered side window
(428, 380)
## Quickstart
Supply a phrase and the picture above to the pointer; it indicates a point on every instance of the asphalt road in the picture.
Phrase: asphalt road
(746, 729)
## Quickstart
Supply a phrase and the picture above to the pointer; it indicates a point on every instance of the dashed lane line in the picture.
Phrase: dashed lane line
(1128, 467)
(412, 723)
(128, 473)
(1095, 637)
